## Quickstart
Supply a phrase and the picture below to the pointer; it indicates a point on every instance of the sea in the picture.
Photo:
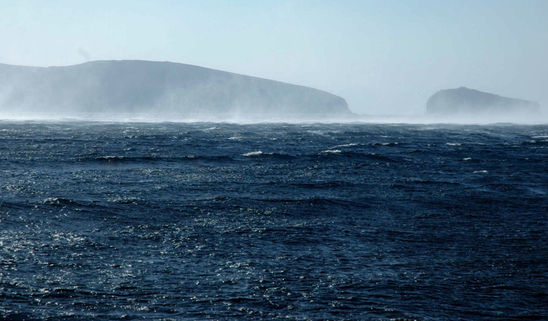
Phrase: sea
(273, 221)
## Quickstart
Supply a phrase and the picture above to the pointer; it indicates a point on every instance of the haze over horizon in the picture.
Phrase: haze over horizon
(383, 57)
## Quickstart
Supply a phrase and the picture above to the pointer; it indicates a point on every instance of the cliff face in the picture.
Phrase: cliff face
(470, 101)
(156, 87)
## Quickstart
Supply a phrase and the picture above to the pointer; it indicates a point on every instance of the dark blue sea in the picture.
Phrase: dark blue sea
(218, 221)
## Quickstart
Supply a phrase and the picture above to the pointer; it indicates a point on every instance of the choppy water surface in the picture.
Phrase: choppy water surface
(273, 221)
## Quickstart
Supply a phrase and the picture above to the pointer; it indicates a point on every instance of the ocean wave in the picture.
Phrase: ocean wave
(253, 154)
(331, 151)
(58, 201)
(262, 155)
(154, 159)
(345, 145)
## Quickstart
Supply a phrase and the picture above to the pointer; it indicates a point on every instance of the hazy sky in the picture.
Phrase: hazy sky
(383, 57)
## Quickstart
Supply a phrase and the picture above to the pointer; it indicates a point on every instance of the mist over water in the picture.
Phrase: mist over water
(464, 119)
(242, 118)
(237, 118)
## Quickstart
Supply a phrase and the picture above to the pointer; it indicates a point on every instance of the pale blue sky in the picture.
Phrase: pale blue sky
(384, 57)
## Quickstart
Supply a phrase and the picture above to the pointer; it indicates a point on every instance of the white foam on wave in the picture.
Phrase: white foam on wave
(345, 145)
(255, 153)
(111, 157)
(123, 199)
(331, 151)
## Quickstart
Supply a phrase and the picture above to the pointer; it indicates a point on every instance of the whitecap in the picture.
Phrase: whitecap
(481, 172)
(467, 159)
(453, 144)
(256, 153)
(332, 151)
(345, 145)
(110, 157)
(51, 200)
(122, 199)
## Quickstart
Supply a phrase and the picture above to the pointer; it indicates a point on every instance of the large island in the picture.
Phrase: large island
(159, 88)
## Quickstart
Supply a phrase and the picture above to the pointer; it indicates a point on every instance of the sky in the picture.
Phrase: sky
(384, 57)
